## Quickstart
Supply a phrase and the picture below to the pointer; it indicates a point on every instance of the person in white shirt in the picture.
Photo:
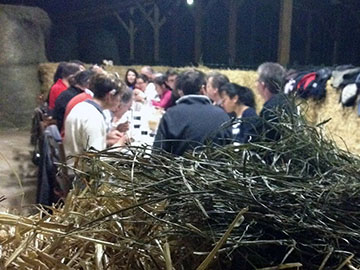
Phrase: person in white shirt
(150, 90)
(85, 126)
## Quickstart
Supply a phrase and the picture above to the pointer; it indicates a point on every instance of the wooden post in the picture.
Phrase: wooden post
(233, 6)
(200, 7)
(198, 18)
(285, 32)
(308, 39)
(156, 23)
(131, 29)
(253, 32)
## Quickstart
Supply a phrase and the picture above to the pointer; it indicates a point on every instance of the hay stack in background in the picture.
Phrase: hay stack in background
(22, 47)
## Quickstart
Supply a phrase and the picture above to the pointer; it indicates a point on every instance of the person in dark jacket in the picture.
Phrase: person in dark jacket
(193, 121)
(78, 84)
(240, 101)
(269, 85)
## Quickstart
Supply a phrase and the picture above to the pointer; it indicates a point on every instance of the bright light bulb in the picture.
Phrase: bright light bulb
(190, 2)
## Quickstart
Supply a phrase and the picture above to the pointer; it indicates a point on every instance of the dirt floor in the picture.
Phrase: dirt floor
(17, 173)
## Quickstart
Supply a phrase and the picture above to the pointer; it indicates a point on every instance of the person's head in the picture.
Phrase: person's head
(125, 103)
(234, 95)
(130, 77)
(160, 83)
(78, 62)
(190, 82)
(214, 81)
(148, 71)
(69, 69)
(107, 88)
(59, 70)
(171, 75)
(81, 79)
(270, 79)
(97, 69)
(141, 82)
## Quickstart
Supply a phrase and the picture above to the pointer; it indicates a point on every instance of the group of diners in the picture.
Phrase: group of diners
(92, 107)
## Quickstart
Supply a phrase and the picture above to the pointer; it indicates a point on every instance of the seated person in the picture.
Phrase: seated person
(140, 87)
(270, 85)
(193, 121)
(163, 91)
(119, 123)
(78, 84)
(171, 75)
(67, 70)
(214, 81)
(130, 78)
(240, 100)
(150, 91)
(85, 125)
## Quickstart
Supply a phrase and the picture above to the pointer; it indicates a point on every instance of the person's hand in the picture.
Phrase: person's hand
(123, 127)
(124, 140)
(113, 137)
(139, 95)
(160, 110)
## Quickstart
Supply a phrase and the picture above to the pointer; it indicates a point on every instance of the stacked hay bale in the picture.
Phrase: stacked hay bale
(342, 127)
(22, 47)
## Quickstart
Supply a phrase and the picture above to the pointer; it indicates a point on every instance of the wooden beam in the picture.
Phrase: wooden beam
(131, 29)
(285, 32)
(156, 21)
(233, 6)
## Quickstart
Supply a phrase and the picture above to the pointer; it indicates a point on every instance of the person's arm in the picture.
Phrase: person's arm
(164, 102)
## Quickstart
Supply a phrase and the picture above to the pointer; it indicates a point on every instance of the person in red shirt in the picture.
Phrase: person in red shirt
(88, 94)
(68, 69)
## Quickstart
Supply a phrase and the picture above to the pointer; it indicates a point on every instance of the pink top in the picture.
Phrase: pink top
(165, 100)
(55, 91)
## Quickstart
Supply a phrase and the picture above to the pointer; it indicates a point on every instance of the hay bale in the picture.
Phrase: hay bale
(22, 35)
(19, 87)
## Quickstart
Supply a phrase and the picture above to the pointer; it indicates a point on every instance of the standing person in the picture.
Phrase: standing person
(269, 85)
(130, 78)
(193, 121)
(163, 91)
(85, 126)
(214, 81)
(240, 100)
(62, 83)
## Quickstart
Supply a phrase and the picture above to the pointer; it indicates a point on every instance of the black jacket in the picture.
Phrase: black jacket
(272, 111)
(61, 102)
(191, 123)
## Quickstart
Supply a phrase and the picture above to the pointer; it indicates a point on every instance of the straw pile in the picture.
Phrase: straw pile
(289, 203)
